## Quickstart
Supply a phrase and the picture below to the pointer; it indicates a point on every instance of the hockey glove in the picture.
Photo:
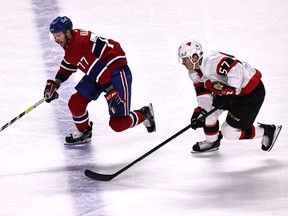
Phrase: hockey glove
(226, 101)
(195, 121)
(228, 91)
(228, 98)
(115, 103)
(50, 91)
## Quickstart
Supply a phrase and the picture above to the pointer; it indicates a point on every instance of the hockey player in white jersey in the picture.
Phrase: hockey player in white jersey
(221, 79)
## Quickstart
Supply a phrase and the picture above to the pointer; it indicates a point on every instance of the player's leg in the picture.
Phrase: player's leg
(77, 105)
(241, 117)
(212, 134)
(242, 114)
(122, 81)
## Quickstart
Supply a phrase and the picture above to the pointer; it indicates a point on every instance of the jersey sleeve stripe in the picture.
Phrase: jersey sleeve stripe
(200, 89)
(67, 66)
(99, 47)
(101, 72)
(68, 69)
(115, 59)
(252, 84)
(96, 69)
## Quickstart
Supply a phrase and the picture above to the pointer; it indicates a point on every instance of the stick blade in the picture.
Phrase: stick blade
(98, 176)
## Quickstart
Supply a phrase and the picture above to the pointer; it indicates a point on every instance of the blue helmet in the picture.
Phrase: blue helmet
(60, 24)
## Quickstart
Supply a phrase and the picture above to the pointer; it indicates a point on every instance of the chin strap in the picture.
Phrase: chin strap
(198, 61)
(68, 39)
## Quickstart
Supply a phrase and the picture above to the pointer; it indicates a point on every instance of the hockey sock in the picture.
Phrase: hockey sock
(248, 133)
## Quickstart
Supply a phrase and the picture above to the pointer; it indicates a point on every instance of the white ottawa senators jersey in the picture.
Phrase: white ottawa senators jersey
(227, 70)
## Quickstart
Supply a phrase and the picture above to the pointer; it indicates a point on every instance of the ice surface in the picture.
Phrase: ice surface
(40, 176)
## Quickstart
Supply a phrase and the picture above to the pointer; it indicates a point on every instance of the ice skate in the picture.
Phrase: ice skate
(204, 146)
(271, 133)
(149, 121)
(79, 137)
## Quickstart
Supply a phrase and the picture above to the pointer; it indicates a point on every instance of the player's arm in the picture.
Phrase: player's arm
(200, 89)
(231, 68)
(111, 55)
(65, 71)
(51, 87)
(204, 100)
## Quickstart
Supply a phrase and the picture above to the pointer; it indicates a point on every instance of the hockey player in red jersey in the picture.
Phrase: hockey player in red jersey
(221, 79)
(106, 71)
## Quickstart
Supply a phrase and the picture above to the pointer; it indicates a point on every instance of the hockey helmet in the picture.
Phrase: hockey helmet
(60, 24)
(189, 48)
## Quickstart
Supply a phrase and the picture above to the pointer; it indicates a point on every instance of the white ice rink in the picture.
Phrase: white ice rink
(39, 176)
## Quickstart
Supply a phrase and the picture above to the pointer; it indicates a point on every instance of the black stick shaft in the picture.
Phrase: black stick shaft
(108, 177)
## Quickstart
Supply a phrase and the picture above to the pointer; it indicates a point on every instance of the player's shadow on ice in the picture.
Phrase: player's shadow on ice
(239, 187)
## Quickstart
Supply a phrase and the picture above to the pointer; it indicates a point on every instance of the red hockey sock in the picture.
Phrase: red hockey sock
(119, 124)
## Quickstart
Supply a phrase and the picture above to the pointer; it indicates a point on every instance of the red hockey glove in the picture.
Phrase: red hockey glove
(115, 103)
(195, 122)
(50, 91)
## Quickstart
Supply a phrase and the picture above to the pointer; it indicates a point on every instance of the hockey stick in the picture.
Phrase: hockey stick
(22, 114)
(108, 177)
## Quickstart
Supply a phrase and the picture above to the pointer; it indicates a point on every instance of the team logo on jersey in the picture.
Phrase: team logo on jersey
(215, 87)
(218, 85)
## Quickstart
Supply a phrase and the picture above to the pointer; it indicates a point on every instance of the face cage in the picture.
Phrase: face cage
(190, 58)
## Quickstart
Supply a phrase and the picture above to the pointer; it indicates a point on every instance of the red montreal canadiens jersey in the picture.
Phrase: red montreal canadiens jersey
(96, 56)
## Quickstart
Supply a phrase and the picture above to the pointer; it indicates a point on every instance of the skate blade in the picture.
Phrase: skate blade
(276, 134)
(78, 143)
(207, 151)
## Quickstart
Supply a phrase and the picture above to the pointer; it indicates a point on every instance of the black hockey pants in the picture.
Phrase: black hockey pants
(243, 113)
